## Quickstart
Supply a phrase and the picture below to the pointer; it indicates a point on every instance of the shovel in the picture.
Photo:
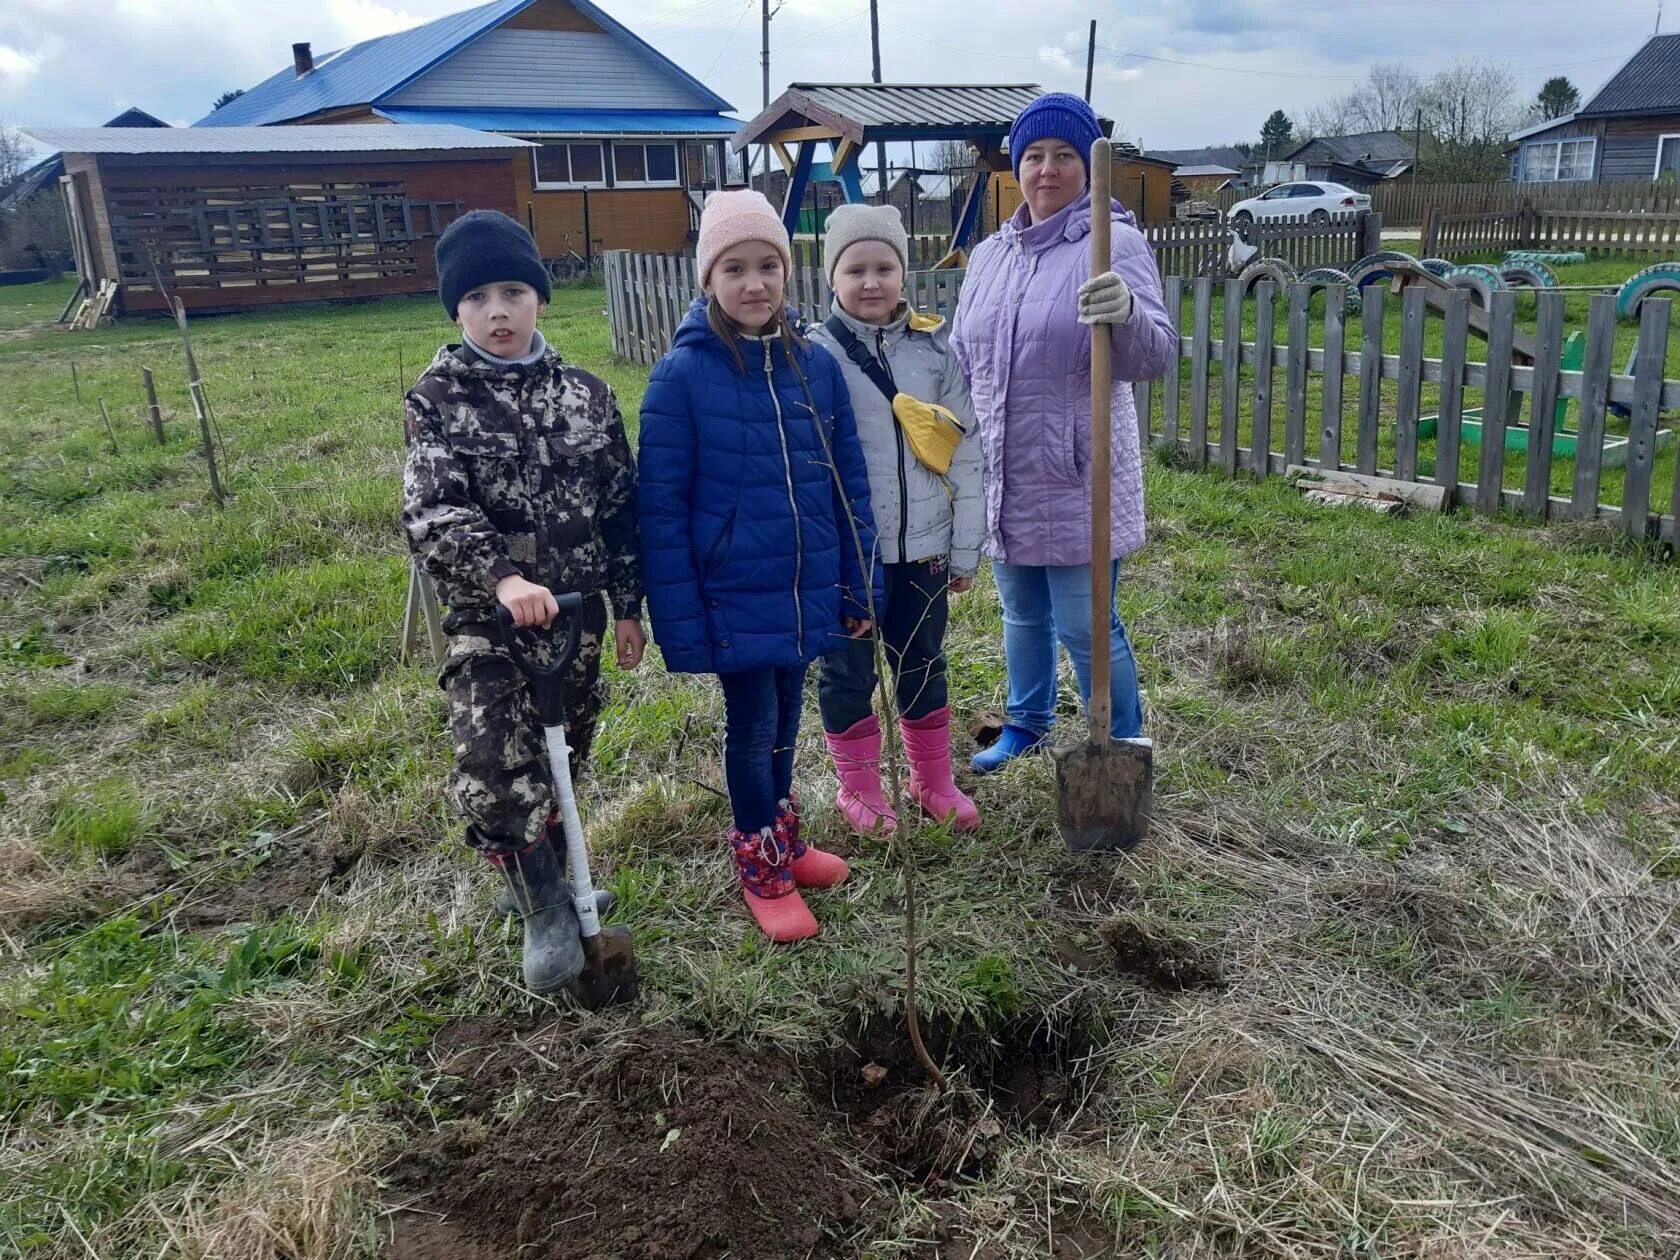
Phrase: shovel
(1103, 785)
(609, 960)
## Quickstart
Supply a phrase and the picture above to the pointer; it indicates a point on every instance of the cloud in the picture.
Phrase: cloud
(17, 68)
(1104, 71)
(363, 19)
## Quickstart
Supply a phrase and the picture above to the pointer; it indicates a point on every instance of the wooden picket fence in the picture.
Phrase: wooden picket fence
(1404, 204)
(1217, 404)
(925, 251)
(649, 294)
(1632, 233)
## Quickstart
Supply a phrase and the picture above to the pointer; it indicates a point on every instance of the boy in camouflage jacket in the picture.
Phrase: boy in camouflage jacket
(519, 483)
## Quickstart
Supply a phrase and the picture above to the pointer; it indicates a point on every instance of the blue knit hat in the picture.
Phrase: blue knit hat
(1054, 116)
(482, 247)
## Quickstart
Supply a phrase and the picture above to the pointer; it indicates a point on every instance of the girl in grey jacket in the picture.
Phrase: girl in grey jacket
(929, 527)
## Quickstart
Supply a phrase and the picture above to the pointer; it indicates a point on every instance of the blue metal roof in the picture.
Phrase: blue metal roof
(621, 122)
(375, 68)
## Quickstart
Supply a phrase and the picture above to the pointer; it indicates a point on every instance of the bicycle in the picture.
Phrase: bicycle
(569, 266)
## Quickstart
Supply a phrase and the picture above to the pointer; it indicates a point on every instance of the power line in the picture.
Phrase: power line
(790, 43)
(733, 32)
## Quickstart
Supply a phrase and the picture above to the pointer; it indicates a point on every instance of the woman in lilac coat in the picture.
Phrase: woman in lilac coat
(1023, 338)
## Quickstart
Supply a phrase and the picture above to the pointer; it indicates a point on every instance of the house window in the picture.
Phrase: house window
(569, 164)
(701, 161)
(1551, 161)
(649, 165)
(1668, 158)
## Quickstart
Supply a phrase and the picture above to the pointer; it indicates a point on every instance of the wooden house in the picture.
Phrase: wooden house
(623, 137)
(234, 217)
(1629, 130)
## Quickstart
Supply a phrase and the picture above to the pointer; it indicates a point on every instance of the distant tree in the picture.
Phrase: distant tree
(1385, 100)
(1277, 134)
(225, 97)
(14, 153)
(1557, 98)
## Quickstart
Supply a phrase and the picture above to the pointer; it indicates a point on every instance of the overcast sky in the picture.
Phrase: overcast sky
(78, 62)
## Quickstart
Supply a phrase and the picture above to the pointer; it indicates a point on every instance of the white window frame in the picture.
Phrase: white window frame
(1529, 176)
(645, 142)
(542, 185)
(1657, 170)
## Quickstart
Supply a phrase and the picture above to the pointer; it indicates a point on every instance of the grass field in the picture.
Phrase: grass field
(1394, 977)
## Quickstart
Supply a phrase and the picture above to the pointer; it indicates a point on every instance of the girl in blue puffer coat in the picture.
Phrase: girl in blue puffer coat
(757, 540)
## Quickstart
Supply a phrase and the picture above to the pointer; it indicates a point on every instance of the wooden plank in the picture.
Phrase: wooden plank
(1496, 401)
(1230, 332)
(1542, 416)
(1650, 358)
(1335, 366)
(1201, 354)
(1449, 423)
(1173, 295)
(1370, 382)
(1359, 485)
(1264, 342)
(1595, 386)
(1412, 312)
(1295, 380)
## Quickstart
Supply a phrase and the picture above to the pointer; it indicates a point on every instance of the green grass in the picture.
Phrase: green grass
(1415, 786)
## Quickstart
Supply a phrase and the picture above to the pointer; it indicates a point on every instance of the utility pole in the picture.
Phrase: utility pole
(875, 77)
(764, 59)
(1090, 58)
(1417, 144)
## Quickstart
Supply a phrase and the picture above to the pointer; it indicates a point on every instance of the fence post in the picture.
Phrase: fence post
(1373, 233)
(1651, 357)
(1230, 381)
(1449, 421)
(1427, 249)
(1595, 386)
(1496, 402)
(1537, 488)
(1260, 441)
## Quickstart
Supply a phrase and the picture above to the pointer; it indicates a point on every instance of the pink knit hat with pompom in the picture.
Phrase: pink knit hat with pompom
(733, 218)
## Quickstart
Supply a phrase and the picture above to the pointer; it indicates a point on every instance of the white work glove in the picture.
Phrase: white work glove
(1105, 299)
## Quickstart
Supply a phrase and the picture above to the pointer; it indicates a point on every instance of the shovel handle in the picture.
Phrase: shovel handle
(546, 680)
(1101, 707)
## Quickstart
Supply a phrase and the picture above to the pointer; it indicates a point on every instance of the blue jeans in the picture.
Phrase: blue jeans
(1044, 603)
(760, 733)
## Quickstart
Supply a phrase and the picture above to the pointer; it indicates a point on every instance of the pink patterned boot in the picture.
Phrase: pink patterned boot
(812, 867)
(762, 862)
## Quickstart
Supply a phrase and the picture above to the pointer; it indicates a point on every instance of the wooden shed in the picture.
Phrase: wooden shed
(235, 217)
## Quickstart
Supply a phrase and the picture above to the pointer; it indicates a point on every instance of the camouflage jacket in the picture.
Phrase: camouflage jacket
(521, 470)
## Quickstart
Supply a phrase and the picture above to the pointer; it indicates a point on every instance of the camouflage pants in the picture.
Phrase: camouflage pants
(501, 782)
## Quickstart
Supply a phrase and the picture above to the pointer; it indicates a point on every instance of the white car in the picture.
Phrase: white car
(1318, 201)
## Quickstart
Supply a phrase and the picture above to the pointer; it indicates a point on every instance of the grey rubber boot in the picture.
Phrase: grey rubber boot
(604, 902)
(543, 900)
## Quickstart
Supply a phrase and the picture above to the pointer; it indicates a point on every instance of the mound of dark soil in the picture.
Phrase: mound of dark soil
(643, 1144)
(1158, 958)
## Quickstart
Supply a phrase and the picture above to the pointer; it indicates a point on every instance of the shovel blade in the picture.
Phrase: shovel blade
(609, 970)
(1105, 792)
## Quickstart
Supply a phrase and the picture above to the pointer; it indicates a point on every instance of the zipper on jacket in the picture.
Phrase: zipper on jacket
(793, 502)
(898, 436)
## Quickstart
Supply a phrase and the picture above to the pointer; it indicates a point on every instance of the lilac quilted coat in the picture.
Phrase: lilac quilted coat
(1028, 362)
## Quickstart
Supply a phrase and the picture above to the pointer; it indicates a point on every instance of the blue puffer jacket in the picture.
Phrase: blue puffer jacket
(748, 556)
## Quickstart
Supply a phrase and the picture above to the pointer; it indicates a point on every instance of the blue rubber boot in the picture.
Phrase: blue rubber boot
(1016, 741)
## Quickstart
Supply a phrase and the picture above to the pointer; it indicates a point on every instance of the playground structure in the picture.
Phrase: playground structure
(848, 117)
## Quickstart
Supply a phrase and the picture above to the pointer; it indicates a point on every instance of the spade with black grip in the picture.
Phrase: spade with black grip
(609, 960)
(1104, 786)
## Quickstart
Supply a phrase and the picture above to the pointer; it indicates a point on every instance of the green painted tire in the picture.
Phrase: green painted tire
(1664, 278)
(1437, 266)
(1324, 277)
(1483, 282)
(1527, 274)
(1278, 270)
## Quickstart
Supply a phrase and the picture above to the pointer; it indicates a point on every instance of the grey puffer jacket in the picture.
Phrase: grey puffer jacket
(916, 516)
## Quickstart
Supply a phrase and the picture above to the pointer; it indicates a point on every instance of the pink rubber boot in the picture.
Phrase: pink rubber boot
(927, 746)
(767, 883)
(812, 867)
(857, 760)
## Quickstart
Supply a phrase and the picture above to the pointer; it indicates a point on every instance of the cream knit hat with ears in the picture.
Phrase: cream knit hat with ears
(733, 218)
(849, 224)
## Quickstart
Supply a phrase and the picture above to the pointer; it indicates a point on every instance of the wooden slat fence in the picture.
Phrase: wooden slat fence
(1418, 418)
(1631, 233)
(1192, 249)
(1405, 205)
(649, 294)
(924, 251)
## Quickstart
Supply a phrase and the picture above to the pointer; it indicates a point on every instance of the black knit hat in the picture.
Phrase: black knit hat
(482, 247)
